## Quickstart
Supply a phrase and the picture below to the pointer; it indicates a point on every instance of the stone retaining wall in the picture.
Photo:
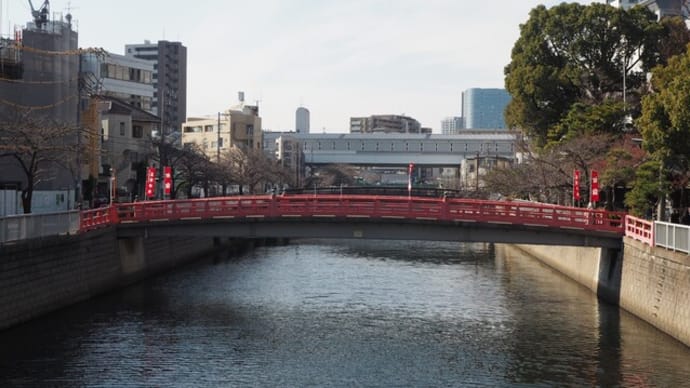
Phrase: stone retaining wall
(43, 275)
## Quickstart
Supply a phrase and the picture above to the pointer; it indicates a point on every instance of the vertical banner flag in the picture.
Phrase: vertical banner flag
(595, 186)
(167, 180)
(150, 182)
(576, 185)
(410, 168)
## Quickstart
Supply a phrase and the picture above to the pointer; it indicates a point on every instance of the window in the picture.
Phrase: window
(137, 131)
(250, 130)
(122, 128)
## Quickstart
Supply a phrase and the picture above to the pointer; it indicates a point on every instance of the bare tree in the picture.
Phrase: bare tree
(332, 175)
(192, 168)
(547, 176)
(37, 145)
(247, 168)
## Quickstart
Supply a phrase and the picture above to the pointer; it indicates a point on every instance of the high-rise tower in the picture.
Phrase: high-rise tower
(169, 79)
(484, 108)
(302, 120)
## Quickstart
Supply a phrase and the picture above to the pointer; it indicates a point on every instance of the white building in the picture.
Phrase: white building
(451, 125)
(660, 7)
(125, 78)
(302, 120)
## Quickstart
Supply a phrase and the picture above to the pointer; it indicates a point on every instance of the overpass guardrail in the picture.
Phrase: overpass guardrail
(675, 237)
(28, 226)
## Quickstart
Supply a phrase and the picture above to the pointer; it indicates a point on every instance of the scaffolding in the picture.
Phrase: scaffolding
(11, 66)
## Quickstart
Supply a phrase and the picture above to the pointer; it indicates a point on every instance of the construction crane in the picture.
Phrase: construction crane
(40, 15)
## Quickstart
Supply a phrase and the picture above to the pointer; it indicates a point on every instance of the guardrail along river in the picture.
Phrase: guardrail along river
(346, 313)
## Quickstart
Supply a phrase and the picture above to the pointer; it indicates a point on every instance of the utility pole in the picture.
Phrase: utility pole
(162, 151)
(77, 180)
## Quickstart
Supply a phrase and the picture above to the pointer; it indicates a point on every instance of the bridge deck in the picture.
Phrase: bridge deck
(504, 215)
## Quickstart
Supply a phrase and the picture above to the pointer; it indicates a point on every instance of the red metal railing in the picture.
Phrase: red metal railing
(639, 229)
(359, 206)
(97, 218)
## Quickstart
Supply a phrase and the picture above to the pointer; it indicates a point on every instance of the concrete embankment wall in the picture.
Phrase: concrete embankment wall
(651, 283)
(656, 287)
(44, 275)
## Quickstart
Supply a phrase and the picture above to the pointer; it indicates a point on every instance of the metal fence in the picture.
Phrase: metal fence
(27, 226)
(675, 237)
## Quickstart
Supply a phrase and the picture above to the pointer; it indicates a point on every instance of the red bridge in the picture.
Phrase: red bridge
(364, 216)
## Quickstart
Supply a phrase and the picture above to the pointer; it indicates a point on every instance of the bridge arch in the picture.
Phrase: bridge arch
(365, 217)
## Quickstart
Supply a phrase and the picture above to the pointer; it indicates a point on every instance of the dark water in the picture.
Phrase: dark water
(347, 314)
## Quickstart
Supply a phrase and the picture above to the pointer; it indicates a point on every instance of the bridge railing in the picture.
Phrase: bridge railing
(359, 206)
(639, 229)
(28, 226)
(672, 236)
(97, 218)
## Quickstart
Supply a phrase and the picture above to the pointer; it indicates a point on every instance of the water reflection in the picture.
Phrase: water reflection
(347, 313)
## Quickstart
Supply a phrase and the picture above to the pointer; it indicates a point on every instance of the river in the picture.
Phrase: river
(346, 313)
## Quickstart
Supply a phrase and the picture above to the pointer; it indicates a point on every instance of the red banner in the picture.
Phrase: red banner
(167, 180)
(576, 185)
(150, 182)
(595, 186)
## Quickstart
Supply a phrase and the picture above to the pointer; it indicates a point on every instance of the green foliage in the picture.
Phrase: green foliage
(674, 40)
(665, 120)
(665, 123)
(583, 119)
(646, 190)
(570, 59)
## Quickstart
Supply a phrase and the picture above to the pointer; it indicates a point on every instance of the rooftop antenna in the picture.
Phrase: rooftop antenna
(68, 17)
(40, 15)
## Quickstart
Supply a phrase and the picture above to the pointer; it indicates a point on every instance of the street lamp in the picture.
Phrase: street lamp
(112, 186)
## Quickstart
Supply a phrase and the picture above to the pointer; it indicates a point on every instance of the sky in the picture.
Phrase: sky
(337, 58)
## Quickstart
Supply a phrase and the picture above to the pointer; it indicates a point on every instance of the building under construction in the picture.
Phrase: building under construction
(39, 78)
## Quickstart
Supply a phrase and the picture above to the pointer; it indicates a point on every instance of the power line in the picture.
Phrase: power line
(37, 107)
(19, 81)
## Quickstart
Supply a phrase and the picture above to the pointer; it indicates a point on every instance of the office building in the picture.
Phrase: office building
(386, 124)
(451, 125)
(128, 79)
(484, 108)
(169, 79)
